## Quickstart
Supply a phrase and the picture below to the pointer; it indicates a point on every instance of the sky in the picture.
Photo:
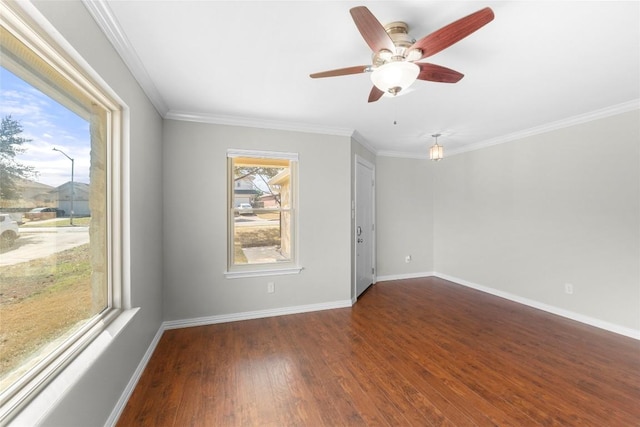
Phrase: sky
(48, 124)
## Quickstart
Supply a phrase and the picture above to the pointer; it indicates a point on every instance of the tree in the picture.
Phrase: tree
(264, 173)
(10, 146)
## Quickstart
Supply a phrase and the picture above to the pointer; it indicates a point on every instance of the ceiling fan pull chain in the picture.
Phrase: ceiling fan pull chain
(395, 113)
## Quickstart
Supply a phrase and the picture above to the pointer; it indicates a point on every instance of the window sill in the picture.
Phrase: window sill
(39, 395)
(261, 273)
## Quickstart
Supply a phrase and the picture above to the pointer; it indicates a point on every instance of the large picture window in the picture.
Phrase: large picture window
(262, 211)
(60, 282)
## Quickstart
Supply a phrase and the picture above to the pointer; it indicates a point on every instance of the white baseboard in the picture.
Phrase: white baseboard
(126, 394)
(405, 276)
(233, 317)
(611, 327)
(209, 320)
(248, 315)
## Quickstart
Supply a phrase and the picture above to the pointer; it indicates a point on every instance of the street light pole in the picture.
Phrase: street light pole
(72, 190)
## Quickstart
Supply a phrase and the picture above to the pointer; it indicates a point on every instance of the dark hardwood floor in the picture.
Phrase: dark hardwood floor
(417, 352)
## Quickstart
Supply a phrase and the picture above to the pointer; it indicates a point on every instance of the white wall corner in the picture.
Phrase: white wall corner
(126, 394)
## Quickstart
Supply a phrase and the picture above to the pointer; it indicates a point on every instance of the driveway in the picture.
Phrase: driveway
(36, 243)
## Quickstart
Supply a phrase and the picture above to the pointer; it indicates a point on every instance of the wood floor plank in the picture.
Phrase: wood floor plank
(437, 368)
(322, 382)
(305, 376)
(537, 376)
(411, 352)
(485, 366)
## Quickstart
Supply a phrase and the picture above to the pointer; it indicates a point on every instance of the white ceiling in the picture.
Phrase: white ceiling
(538, 65)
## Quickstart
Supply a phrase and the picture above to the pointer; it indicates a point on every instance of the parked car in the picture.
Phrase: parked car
(43, 213)
(9, 231)
(245, 209)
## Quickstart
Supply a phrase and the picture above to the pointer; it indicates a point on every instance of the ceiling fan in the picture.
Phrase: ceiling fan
(394, 66)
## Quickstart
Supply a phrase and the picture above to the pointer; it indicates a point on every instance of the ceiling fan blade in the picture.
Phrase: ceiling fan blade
(375, 94)
(371, 29)
(453, 33)
(438, 73)
(341, 71)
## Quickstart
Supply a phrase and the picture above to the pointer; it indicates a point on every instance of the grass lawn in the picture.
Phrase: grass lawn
(40, 301)
(251, 237)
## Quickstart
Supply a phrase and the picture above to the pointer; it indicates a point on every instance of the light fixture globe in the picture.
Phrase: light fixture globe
(394, 77)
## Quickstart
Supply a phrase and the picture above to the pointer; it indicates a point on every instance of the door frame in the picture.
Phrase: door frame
(362, 162)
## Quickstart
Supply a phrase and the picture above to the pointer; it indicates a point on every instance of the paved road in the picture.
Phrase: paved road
(36, 243)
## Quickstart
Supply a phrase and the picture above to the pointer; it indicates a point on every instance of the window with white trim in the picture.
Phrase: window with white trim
(262, 212)
(60, 279)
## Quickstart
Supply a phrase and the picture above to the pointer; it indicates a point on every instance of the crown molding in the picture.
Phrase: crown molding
(104, 17)
(102, 14)
(362, 141)
(403, 155)
(256, 123)
(560, 124)
(570, 121)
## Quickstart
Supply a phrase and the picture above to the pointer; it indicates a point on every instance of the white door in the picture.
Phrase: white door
(364, 205)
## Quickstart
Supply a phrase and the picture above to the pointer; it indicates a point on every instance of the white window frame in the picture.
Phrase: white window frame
(266, 269)
(26, 24)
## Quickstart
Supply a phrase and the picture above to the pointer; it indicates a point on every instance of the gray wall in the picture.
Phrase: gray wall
(528, 216)
(525, 217)
(404, 212)
(195, 221)
(87, 391)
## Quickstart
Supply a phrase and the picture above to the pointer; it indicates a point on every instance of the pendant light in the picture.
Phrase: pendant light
(436, 152)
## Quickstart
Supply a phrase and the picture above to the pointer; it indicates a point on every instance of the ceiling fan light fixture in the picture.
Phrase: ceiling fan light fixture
(413, 55)
(436, 152)
(385, 55)
(394, 77)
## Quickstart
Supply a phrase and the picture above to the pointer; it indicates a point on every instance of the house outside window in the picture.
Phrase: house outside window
(245, 191)
(262, 213)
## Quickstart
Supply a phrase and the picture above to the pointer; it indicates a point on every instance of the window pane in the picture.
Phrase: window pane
(53, 275)
(258, 241)
(261, 203)
(257, 183)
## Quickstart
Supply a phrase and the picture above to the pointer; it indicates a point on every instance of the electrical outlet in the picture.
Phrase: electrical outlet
(568, 288)
(271, 287)
(407, 259)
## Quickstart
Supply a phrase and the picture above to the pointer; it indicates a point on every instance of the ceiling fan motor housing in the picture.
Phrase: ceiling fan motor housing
(398, 31)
